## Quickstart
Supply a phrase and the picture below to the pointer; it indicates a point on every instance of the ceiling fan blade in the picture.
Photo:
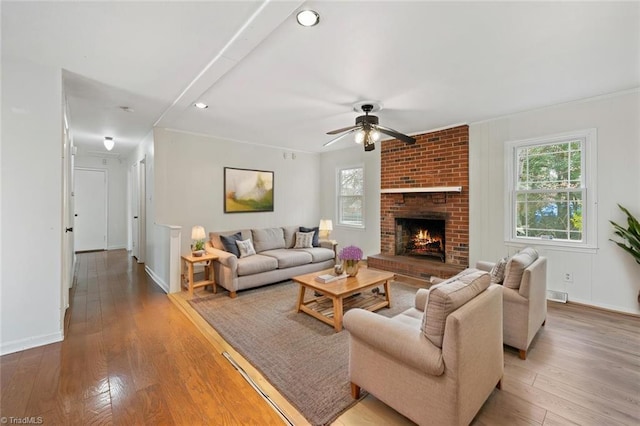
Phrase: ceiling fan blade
(344, 129)
(396, 134)
(332, 141)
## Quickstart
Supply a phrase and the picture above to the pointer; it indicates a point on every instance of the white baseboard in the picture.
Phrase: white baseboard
(612, 308)
(159, 281)
(117, 247)
(30, 342)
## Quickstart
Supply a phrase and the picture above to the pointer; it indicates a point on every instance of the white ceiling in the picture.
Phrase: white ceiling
(269, 81)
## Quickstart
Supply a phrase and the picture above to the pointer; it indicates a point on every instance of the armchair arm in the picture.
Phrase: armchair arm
(484, 265)
(421, 299)
(400, 341)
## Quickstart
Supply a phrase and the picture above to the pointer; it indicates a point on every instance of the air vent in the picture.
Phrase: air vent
(557, 296)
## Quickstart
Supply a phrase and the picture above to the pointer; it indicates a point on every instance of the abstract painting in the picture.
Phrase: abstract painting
(247, 190)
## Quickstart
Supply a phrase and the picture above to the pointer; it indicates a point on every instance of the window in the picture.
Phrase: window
(551, 184)
(351, 196)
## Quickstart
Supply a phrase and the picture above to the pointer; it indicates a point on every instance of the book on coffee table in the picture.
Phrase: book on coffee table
(327, 278)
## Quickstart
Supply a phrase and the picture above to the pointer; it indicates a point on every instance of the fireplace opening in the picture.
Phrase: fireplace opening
(420, 237)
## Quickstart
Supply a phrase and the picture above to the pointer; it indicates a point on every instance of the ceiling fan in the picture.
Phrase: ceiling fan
(367, 130)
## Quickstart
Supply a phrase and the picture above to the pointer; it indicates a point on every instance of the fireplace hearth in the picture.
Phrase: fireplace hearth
(419, 237)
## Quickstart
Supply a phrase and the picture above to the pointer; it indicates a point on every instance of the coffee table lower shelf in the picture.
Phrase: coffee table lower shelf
(341, 295)
(322, 307)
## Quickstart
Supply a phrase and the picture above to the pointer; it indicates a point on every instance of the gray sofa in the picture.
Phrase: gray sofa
(275, 259)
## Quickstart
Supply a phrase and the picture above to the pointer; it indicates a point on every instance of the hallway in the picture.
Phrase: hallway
(130, 357)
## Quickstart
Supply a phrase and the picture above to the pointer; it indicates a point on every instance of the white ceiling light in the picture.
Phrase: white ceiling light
(109, 143)
(308, 18)
(201, 105)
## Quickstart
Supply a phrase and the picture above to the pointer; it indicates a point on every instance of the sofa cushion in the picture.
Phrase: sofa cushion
(246, 248)
(214, 237)
(256, 264)
(229, 243)
(316, 235)
(448, 296)
(497, 272)
(516, 265)
(287, 258)
(304, 240)
(267, 239)
(290, 235)
(320, 254)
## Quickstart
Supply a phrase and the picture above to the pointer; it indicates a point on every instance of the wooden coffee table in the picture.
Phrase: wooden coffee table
(336, 292)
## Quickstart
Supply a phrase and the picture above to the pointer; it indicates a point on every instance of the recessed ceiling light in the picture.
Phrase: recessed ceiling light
(308, 18)
(201, 105)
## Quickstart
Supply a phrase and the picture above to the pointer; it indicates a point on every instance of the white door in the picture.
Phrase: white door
(135, 206)
(90, 203)
(142, 208)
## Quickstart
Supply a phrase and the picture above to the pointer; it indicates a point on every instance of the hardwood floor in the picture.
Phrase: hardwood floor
(131, 356)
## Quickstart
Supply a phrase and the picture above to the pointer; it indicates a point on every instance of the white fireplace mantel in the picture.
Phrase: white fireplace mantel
(423, 189)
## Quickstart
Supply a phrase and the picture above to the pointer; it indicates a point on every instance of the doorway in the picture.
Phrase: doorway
(138, 210)
(90, 206)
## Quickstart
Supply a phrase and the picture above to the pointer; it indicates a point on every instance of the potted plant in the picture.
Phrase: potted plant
(630, 234)
(198, 248)
(351, 256)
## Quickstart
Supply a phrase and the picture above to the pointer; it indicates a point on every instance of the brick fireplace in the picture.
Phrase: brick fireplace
(428, 181)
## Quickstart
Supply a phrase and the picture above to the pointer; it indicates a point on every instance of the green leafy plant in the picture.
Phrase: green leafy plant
(631, 235)
(198, 245)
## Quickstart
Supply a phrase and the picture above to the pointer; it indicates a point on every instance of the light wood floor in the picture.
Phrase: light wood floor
(130, 356)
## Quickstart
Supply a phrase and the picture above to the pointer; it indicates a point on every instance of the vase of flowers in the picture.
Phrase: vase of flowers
(350, 256)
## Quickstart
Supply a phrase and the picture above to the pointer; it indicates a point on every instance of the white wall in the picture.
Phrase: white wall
(609, 278)
(117, 196)
(31, 182)
(368, 239)
(189, 175)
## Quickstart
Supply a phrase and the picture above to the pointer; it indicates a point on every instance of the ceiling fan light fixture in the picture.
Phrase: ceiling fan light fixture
(308, 18)
(109, 143)
(359, 137)
(375, 135)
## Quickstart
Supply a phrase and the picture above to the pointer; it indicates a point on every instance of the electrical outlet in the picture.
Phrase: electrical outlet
(568, 277)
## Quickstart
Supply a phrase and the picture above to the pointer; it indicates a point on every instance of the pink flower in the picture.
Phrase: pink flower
(350, 253)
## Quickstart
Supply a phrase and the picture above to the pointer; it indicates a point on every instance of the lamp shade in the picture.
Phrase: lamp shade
(197, 233)
(326, 225)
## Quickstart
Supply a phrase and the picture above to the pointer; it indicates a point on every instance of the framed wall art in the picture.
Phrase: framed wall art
(247, 190)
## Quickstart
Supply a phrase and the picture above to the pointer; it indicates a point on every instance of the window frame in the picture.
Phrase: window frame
(339, 196)
(588, 138)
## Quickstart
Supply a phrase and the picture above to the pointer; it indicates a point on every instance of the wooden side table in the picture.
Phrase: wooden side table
(186, 277)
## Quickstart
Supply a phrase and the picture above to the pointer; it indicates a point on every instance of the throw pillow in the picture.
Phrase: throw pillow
(246, 248)
(304, 240)
(516, 265)
(316, 235)
(446, 298)
(229, 243)
(497, 272)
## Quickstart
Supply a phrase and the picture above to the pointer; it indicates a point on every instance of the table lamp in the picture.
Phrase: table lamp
(325, 227)
(198, 236)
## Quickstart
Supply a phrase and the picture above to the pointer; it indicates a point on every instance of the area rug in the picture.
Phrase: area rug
(300, 356)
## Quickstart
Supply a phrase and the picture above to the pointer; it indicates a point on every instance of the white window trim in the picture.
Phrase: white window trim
(589, 203)
(338, 196)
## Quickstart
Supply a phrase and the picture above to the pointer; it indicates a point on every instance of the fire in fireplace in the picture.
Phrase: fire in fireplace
(420, 237)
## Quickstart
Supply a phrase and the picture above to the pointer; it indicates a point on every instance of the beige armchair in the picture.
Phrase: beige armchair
(441, 383)
(525, 307)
